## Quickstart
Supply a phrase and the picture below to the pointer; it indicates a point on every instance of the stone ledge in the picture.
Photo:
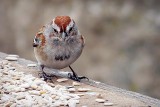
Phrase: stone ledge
(117, 96)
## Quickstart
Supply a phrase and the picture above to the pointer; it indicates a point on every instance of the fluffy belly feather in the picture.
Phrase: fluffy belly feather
(57, 59)
(58, 64)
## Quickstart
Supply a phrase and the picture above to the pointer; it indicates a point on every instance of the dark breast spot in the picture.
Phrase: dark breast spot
(67, 56)
(62, 57)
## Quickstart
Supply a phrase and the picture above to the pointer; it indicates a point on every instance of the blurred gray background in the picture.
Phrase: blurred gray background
(122, 37)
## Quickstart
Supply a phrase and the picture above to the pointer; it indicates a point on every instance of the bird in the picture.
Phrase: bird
(57, 45)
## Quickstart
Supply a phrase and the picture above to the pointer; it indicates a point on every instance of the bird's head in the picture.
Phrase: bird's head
(39, 39)
(64, 27)
(61, 28)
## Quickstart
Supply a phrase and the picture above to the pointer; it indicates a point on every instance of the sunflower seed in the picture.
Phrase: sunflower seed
(100, 100)
(11, 58)
(108, 104)
(62, 80)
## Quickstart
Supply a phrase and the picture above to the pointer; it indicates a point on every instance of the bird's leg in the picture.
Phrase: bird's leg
(74, 76)
(44, 75)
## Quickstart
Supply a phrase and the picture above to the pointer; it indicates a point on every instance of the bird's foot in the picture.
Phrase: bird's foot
(45, 76)
(75, 77)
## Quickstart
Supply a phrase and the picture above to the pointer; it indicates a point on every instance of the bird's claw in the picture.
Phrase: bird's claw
(45, 76)
(76, 78)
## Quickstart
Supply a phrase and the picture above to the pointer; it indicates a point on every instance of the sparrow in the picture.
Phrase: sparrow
(57, 45)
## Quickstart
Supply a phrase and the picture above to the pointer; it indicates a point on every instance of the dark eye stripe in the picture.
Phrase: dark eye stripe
(55, 30)
(70, 29)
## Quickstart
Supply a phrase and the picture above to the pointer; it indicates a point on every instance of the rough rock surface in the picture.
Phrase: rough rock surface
(20, 86)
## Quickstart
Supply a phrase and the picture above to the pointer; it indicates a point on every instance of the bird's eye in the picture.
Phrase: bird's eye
(55, 30)
(36, 40)
(70, 29)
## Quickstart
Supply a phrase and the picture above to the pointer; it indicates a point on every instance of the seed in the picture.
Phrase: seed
(34, 86)
(42, 92)
(26, 85)
(11, 58)
(20, 96)
(83, 89)
(12, 55)
(76, 84)
(108, 104)
(62, 80)
(71, 90)
(34, 92)
(31, 65)
(100, 100)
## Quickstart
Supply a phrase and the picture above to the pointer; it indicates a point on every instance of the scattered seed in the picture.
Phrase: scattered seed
(26, 85)
(80, 94)
(5, 72)
(5, 62)
(23, 89)
(11, 58)
(13, 105)
(97, 82)
(17, 89)
(31, 65)
(12, 55)
(39, 81)
(51, 84)
(72, 103)
(20, 96)
(71, 90)
(108, 104)
(34, 92)
(69, 87)
(83, 89)
(53, 96)
(42, 92)
(91, 93)
(1, 67)
(12, 68)
(26, 90)
(62, 80)
(75, 83)
(84, 106)
(100, 100)
(34, 86)
(8, 104)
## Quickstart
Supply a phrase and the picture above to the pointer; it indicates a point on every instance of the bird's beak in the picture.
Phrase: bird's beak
(64, 35)
(35, 43)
